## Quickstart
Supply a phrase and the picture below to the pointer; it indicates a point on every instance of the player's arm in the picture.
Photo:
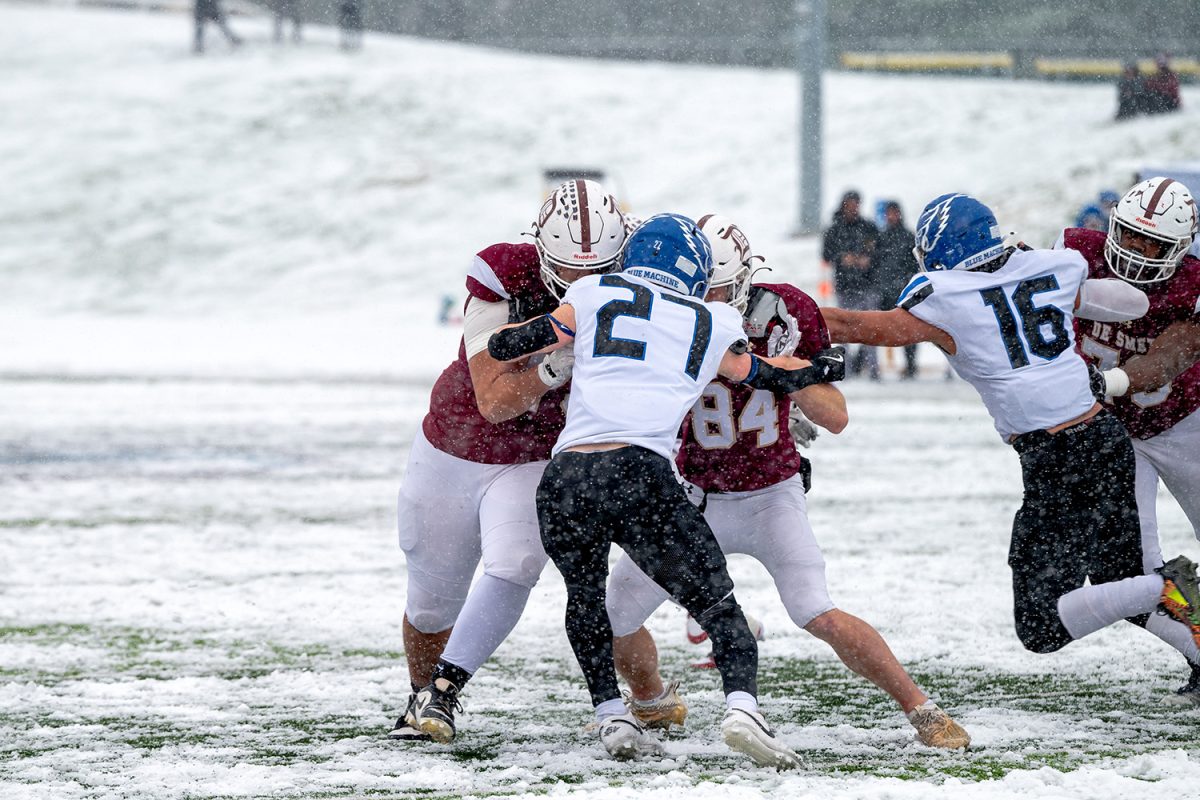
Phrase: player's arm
(894, 328)
(823, 404)
(1175, 350)
(506, 388)
(784, 374)
(1110, 300)
(542, 334)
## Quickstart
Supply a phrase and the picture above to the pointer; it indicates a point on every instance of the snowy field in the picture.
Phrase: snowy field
(220, 278)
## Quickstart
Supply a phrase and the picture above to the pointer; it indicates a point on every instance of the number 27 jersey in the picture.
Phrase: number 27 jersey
(1014, 337)
(642, 357)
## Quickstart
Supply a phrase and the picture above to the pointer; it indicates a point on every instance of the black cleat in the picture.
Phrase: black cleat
(1189, 693)
(406, 729)
(1181, 593)
(434, 710)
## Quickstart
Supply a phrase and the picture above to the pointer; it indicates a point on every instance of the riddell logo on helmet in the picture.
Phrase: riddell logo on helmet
(1145, 221)
(585, 256)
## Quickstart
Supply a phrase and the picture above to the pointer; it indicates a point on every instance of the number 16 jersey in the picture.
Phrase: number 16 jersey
(1014, 337)
(642, 357)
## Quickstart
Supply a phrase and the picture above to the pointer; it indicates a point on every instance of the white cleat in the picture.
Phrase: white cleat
(625, 739)
(747, 732)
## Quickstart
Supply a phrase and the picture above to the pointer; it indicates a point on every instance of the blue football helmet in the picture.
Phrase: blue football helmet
(671, 251)
(956, 231)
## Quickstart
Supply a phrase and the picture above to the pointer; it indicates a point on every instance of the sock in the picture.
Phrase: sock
(1089, 608)
(610, 708)
(743, 700)
(447, 672)
(492, 610)
(1176, 634)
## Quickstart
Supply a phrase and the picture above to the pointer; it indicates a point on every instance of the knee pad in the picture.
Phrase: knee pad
(523, 569)
(1046, 637)
(431, 611)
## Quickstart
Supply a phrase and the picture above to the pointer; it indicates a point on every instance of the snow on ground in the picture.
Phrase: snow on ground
(216, 341)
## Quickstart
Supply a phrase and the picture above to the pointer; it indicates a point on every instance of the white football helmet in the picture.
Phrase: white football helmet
(732, 259)
(1160, 209)
(579, 227)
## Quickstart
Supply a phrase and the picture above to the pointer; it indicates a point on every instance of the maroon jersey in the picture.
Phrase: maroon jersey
(501, 273)
(1110, 344)
(736, 437)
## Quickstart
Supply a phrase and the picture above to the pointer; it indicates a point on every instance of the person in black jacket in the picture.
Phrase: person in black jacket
(894, 266)
(204, 11)
(849, 244)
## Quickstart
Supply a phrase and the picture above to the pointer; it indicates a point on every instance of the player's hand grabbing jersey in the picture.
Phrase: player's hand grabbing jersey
(1111, 344)
(736, 438)
(502, 273)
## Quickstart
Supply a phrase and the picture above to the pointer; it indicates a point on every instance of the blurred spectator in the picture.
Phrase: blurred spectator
(1162, 88)
(894, 267)
(350, 23)
(285, 10)
(1094, 216)
(210, 10)
(849, 244)
(1131, 92)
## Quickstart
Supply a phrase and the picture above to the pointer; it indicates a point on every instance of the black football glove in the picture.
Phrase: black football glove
(1098, 383)
(830, 364)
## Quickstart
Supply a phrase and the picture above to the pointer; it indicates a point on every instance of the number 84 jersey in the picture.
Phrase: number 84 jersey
(736, 438)
(1014, 335)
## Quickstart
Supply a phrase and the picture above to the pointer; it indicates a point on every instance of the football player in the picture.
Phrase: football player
(646, 345)
(1004, 317)
(738, 456)
(469, 488)
(1151, 365)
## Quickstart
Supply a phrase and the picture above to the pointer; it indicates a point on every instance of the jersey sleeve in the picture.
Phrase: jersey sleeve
(503, 271)
(480, 321)
(916, 292)
(727, 326)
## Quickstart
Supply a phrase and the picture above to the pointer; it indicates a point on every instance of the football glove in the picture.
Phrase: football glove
(555, 369)
(830, 364)
(803, 432)
(785, 337)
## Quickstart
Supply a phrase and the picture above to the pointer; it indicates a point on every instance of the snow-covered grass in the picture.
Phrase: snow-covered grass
(216, 342)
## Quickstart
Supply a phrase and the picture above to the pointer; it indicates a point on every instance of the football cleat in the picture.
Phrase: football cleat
(625, 739)
(434, 710)
(662, 712)
(406, 729)
(1189, 693)
(1181, 594)
(747, 732)
(695, 634)
(936, 729)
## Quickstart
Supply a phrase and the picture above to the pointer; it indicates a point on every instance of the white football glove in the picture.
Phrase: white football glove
(803, 431)
(555, 368)
(784, 338)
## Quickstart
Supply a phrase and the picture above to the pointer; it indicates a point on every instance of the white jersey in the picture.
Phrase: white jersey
(643, 355)
(1014, 336)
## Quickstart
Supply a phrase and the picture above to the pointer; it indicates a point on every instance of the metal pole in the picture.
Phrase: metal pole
(811, 21)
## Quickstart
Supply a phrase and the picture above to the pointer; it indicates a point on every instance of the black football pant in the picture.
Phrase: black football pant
(1078, 521)
(586, 502)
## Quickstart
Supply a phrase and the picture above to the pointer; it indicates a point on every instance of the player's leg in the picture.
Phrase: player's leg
(1146, 492)
(1174, 455)
(783, 541)
(512, 563)
(578, 501)
(631, 598)
(1098, 515)
(669, 539)
(438, 516)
